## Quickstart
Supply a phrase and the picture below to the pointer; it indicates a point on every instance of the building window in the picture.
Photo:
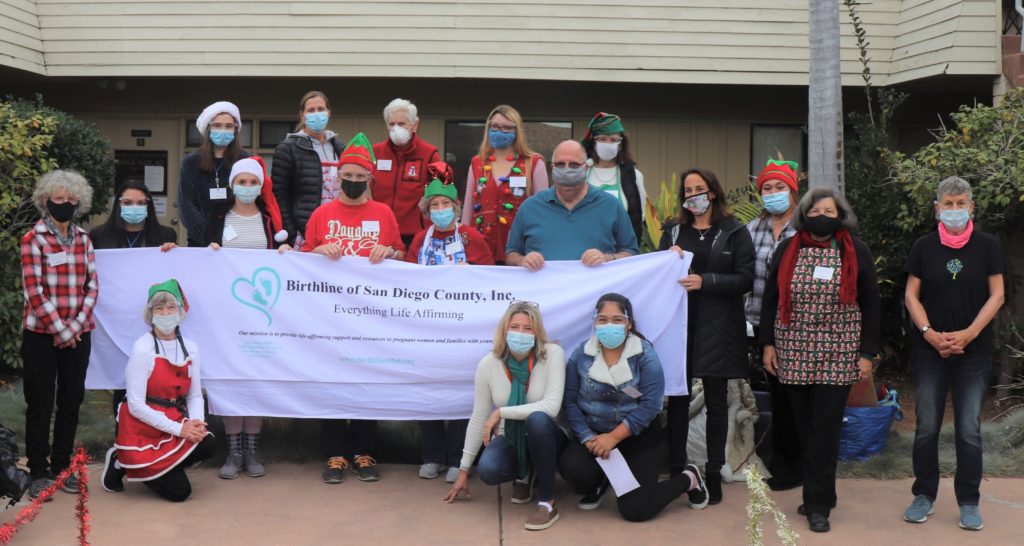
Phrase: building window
(462, 142)
(774, 141)
(272, 133)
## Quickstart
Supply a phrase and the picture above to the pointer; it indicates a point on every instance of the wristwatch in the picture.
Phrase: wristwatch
(925, 328)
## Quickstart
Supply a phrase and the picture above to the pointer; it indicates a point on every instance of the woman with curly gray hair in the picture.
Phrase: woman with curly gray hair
(59, 277)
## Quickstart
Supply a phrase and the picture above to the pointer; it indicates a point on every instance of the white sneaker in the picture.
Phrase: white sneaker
(429, 471)
(452, 475)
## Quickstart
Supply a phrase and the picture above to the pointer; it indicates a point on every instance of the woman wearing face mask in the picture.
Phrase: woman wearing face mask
(954, 290)
(59, 278)
(447, 243)
(777, 184)
(305, 166)
(353, 225)
(721, 272)
(132, 224)
(203, 180)
(501, 177)
(402, 161)
(614, 387)
(518, 394)
(161, 427)
(613, 169)
(820, 328)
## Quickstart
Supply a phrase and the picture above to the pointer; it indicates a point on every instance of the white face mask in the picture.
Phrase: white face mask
(607, 151)
(399, 135)
(166, 324)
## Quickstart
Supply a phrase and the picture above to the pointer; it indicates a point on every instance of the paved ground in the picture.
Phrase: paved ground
(291, 506)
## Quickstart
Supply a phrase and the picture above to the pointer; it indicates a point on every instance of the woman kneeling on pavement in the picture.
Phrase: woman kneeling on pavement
(518, 394)
(161, 428)
(614, 387)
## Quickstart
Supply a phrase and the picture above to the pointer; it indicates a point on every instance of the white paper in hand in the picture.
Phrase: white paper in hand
(621, 477)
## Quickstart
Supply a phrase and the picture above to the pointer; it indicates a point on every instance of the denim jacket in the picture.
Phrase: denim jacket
(594, 405)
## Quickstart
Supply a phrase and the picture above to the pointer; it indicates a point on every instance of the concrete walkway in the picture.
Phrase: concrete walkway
(290, 505)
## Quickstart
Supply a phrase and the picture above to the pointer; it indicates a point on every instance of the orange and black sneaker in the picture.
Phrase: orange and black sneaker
(366, 468)
(335, 471)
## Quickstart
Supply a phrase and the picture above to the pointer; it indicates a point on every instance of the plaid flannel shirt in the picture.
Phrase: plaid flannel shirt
(59, 299)
(765, 244)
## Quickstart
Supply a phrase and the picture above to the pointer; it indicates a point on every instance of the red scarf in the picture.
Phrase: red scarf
(848, 286)
(955, 241)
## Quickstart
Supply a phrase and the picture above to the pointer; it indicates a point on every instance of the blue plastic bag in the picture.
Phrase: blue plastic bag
(866, 429)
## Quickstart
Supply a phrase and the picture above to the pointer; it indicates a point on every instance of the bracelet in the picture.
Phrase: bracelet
(393, 253)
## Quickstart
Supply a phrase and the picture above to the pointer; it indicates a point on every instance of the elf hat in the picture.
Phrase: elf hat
(604, 123)
(359, 152)
(214, 110)
(777, 169)
(171, 286)
(441, 182)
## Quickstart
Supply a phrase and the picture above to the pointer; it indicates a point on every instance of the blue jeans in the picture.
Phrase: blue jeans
(933, 375)
(544, 441)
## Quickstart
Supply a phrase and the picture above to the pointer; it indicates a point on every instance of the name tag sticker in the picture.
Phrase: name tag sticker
(824, 273)
(217, 194)
(55, 259)
(517, 181)
(383, 164)
(452, 248)
(632, 392)
(230, 234)
(371, 226)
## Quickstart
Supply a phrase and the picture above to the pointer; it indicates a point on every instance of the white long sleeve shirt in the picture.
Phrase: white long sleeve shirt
(136, 375)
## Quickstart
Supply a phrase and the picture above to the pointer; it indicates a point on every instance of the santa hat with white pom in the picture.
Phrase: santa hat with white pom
(255, 166)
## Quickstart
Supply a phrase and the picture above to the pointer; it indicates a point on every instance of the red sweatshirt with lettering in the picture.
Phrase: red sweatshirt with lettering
(355, 228)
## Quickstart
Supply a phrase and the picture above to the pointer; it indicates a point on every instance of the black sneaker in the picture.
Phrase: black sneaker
(39, 485)
(698, 495)
(70, 484)
(366, 468)
(335, 471)
(113, 476)
(592, 500)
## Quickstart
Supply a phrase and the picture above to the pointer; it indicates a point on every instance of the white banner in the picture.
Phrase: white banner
(296, 335)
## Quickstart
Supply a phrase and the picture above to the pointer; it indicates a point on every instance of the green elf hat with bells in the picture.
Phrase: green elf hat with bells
(604, 123)
(359, 152)
(441, 182)
(171, 286)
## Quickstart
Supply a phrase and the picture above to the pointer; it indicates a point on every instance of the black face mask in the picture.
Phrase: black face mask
(352, 189)
(61, 212)
(823, 226)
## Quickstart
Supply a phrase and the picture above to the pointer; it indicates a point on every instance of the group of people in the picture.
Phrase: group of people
(797, 274)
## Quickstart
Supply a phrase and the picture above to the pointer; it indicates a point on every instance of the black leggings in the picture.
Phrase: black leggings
(174, 485)
(643, 455)
(716, 399)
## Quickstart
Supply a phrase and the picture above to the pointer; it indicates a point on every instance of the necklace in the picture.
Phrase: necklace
(163, 350)
(132, 241)
(703, 233)
(605, 181)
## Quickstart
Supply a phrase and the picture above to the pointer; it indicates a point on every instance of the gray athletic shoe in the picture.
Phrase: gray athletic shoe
(970, 517)
(232, 466)
(919, 510)
(253, 463)
(452, 475)
(37, 487)
(429, 471)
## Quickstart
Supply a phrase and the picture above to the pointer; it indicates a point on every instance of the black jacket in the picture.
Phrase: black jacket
(868, 298)
(194, 194)
(104, 238)
(627, 177)
(298, 181)
(218, 216)
(719, 342)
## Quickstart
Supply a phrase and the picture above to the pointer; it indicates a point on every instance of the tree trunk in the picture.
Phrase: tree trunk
(825, 98)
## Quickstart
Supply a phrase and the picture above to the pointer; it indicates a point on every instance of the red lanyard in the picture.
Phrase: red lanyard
(508, 371)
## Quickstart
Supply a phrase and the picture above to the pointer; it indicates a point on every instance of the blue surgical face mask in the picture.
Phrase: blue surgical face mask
(317, 121)
(955, 219)
(611, 335)
(442, 218)
(247, 194)
(518, 342)
(501, 140)
(134, 214)
(776, 203)
(221, 138)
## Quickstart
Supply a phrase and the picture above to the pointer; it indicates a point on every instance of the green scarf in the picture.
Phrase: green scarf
(515, 430)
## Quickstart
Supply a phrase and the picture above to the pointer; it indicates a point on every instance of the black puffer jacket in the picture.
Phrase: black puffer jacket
(298, 180)
(719, 343)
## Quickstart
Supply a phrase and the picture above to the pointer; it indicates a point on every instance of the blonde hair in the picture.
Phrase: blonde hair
(540, 335)
(72, 181)
(158, 299)
(520, 145)
(425, 205)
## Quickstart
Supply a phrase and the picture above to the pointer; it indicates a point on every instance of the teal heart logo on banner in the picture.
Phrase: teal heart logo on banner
(260, 291)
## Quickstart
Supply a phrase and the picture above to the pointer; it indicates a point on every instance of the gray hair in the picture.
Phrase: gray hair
(811, 198)
(72, 181)
(953, 185)
(425, 206)
(399, 105)
(161, 298)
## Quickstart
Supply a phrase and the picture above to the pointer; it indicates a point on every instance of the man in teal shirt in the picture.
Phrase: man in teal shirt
(570, 221)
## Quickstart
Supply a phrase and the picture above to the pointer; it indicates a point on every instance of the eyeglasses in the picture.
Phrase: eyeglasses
(601, 320)
(608, 139)
(569, 164)
(504, 128)
(517, 303)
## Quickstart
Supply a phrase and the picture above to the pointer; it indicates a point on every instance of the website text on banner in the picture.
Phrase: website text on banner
(297, 335)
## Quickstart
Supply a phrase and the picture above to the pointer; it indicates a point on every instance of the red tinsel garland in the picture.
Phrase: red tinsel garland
(29, 513)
